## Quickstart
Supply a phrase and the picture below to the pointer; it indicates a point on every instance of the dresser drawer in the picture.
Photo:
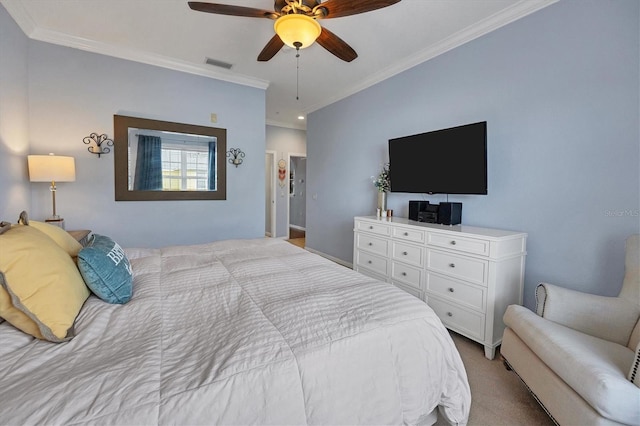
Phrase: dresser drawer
(406, 274)
(408, 253)
(408, 234)
(467, 322)
(466, 268)
(454, 242)
(372, 244)
(456, 291)
(371, 261)
(374, 228)
(411, 290)
(371, 274)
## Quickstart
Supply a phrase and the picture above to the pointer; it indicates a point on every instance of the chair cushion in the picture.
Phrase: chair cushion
(634, 371)
(594, 368)
(631, 284)
(106, 270)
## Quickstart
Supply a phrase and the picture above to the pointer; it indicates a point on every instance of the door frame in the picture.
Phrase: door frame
(273, 183)
(289, 155)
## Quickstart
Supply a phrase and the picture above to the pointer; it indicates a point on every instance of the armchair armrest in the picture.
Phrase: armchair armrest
(608, 318)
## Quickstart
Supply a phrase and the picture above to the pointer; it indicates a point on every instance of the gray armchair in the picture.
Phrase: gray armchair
(579, 353)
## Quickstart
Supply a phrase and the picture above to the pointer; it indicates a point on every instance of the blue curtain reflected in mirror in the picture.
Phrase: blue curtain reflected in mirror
(148, 175)
(212, 166)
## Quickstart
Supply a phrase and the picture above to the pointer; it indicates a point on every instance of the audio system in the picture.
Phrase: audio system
(416, 207)
(443, 213)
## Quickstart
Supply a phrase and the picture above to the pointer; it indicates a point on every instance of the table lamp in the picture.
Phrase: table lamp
(52, 168)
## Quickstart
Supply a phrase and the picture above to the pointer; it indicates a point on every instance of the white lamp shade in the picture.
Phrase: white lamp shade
(51, 168)
(297, 28)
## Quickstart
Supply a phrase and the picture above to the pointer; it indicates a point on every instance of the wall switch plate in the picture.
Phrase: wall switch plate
(214, 118)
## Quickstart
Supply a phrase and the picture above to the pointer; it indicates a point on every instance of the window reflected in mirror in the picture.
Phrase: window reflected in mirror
(169, 161)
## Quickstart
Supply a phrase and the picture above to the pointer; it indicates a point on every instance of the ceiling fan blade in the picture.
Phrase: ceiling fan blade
(339, 8)
(336, 45)
(273, 47)
(225, 9)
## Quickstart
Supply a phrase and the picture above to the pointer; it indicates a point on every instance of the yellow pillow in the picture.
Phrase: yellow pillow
(60, 236)
(41, 289)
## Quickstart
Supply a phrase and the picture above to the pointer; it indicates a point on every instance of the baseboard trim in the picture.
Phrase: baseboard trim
(331, 258)
(299, 228)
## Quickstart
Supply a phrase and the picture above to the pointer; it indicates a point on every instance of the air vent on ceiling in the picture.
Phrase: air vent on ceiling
(217, 63)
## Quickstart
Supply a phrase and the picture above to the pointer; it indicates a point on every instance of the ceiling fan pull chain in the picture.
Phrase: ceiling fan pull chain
(297, 44)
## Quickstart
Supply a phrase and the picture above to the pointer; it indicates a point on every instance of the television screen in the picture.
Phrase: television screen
(447, 161)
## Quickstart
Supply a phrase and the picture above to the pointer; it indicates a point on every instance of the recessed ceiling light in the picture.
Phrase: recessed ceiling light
(301, 117)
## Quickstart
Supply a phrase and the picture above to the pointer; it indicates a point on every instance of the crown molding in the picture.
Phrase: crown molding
(286, 125)
(20, 15)
(145, 58)
(500, 19)
(26, 23)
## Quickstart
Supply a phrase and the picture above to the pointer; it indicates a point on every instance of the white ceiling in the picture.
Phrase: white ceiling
(169, 34)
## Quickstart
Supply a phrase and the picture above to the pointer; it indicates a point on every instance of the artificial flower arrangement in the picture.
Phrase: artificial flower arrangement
(383, 181)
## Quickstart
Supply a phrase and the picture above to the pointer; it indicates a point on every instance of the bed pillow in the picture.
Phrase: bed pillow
(106, 270)
(60, 236)
(57, 234)
(41, 290)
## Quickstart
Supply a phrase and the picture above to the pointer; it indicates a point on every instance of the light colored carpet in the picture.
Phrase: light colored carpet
(498, 397)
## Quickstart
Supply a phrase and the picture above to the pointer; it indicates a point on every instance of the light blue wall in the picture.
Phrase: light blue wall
(560, 92)
(73, 93)
(51, 97)
(14, 129)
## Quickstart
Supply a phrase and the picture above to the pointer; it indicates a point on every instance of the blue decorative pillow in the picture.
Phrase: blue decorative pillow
(106, 270)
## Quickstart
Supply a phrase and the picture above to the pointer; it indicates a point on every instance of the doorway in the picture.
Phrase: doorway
(270, 194)
(297, 200)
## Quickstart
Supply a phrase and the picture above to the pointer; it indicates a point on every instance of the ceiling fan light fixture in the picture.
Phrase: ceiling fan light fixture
(297, 28)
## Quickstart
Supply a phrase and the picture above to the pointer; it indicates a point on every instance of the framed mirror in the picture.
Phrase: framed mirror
(162, 160)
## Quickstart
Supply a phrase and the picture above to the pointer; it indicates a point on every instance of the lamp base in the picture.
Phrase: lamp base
(55, 221)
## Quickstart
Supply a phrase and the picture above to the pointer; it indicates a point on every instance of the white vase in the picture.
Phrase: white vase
(382, 201)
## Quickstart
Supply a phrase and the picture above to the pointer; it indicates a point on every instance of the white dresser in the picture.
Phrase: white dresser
(467, 275)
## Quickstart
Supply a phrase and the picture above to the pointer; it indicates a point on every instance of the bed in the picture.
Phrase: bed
(239, 332)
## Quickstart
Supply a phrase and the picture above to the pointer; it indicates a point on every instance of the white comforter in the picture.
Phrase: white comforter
(239, 332)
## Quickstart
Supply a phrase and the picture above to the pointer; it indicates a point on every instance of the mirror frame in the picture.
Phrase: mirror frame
(121, 125)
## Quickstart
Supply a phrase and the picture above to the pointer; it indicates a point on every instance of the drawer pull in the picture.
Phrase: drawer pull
(449, 314)
(370, 226)
(369, 262)
(452, 265)
(404, 253)
(453, 243)
(370, 244)
(406, 234)
(404, 274)
(451, 290)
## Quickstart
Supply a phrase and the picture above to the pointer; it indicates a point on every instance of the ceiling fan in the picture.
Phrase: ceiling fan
(296, 22)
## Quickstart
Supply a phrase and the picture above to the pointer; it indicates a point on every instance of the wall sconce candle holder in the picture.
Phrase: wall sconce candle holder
(235, 156)
(98, 140)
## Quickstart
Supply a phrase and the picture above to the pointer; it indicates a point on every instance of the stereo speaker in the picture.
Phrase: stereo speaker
(415, 207)
(450, 213)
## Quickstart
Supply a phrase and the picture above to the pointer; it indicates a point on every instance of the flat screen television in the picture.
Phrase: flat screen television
(447, 161)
